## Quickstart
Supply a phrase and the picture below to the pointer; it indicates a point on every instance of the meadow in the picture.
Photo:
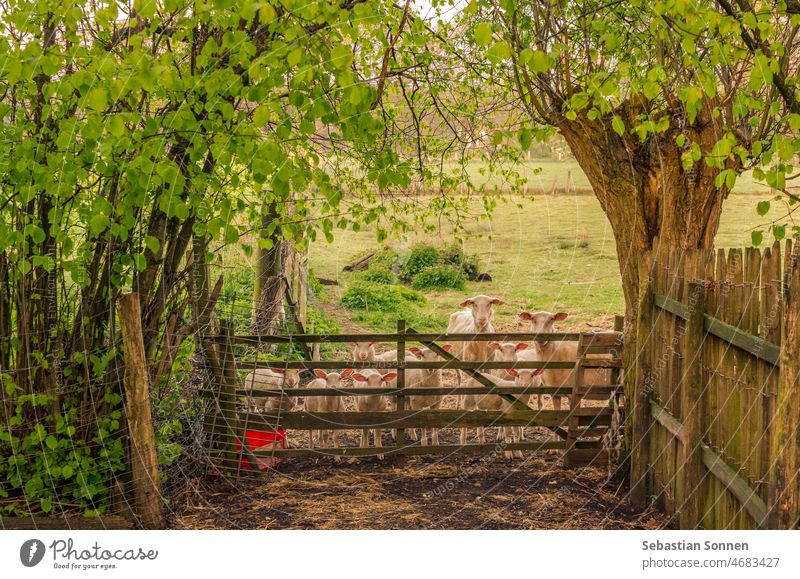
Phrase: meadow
(543, 252)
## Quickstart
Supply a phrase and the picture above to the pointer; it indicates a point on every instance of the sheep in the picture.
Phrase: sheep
(475, 318)
(510, 352)
(270, 379)
(364, 351)
(372, 403)
(316, 404)
(559, 351)
(496, 402)
(419, 378)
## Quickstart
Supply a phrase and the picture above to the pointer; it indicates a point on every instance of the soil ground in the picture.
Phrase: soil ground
(454, 492)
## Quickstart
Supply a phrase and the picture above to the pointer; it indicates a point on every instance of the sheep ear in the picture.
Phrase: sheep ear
(278, 370)
(512, 372)
(467, 302)
(373, 343)
(494, 345)
(389, 376)
(560, 316)
(537, 371)
(497, 302)
(359, 377)
(525, 316)
(522, 346)
(346, 373)
(447, 347)
(320, 373)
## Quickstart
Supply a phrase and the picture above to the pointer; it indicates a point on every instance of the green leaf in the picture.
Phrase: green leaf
(756, 237)
(341, 56)
(763, 208)
(46, 504)
(618, 125)
(295, 57)
(98, 223)
(499, 52)
(152, 243)
(540, 62)
(51, 442)
(262, 115)
(66, 471)
(525, 139)
(483, 34)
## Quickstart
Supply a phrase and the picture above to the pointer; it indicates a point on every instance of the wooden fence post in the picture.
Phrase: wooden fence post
(401, 380)
(691, 457)
(784, 491)
(227, 390)
(144, 460)
(642, 422)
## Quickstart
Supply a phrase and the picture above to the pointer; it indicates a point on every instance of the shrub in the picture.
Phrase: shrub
(454, 255)
(440, 277)
(379, 275)
(385, 259)
(363, 295)
(421, 257)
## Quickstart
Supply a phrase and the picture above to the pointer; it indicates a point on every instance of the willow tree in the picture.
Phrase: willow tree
(663, 104)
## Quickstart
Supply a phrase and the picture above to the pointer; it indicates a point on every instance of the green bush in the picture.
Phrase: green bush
(440, 277)
(454, 255)
(363, 295)
(378, 275)
(422, 257)
(386, 258)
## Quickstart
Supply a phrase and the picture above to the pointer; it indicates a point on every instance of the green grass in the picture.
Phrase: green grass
(554, 253)
(540, 174)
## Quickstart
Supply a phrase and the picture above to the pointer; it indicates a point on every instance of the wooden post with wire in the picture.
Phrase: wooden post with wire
(144, 462)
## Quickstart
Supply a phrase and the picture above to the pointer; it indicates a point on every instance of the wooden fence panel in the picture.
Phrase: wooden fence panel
(744, 366)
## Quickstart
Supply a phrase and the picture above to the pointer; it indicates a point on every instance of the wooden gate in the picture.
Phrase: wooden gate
(588, 432)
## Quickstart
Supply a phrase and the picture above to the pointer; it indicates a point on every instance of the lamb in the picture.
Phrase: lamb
(559, 351)
(364, 351)
(271, 379)
(417, 378)
(475, 318)
(316, 404)
(372, 403)
(496, 402)
(510, 352)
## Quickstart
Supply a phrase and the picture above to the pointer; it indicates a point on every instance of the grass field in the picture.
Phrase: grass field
(540, 174)
(549, 252)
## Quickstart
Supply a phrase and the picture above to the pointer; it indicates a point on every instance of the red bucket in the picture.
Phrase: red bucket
(263, 440)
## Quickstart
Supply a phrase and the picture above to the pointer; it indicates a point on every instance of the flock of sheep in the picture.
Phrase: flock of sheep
(475, 318)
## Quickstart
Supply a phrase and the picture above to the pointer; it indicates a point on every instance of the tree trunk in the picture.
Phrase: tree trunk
(649, 198)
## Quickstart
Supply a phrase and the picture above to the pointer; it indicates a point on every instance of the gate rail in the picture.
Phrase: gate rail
(587, 435)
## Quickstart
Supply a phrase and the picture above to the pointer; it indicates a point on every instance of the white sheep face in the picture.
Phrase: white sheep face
(482, 310)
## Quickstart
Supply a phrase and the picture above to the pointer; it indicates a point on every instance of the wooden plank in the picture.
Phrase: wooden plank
(667, 420)
(604, 390)
(427, 418)
(641, 430)
(747, 497)
(65, 523)
(144, 461)
(447, 364)
(784, 496)
(748, 342)
(417, 450)
(690, 465)
(392, 338)
(672, 306)
(400, 401)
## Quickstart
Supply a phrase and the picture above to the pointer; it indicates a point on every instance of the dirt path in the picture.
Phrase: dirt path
(457, 492)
